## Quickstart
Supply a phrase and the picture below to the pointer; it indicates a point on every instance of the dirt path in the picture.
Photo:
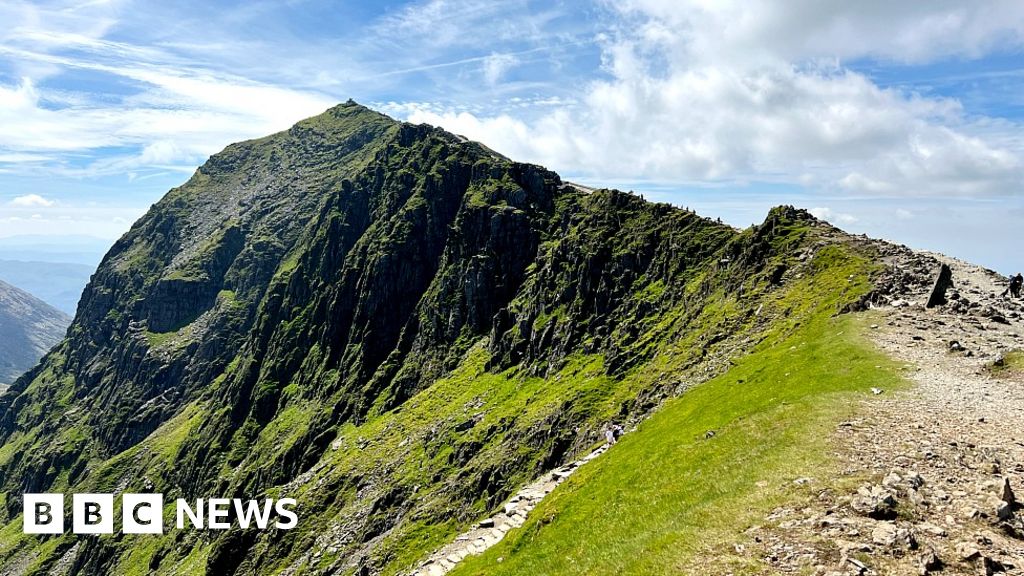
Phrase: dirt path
(923, 471)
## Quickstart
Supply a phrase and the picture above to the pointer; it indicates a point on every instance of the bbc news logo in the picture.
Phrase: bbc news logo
(143, 514)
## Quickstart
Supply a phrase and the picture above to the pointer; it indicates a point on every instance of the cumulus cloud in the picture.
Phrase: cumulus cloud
(731, 91)
(32, 200)
(830, 215)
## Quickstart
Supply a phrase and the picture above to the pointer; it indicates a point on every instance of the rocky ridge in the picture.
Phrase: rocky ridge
(394, 325)
(929, 478)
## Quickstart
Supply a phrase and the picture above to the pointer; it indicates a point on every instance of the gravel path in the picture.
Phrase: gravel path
(924, 472)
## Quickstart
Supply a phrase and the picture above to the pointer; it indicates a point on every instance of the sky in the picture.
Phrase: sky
(901, 120)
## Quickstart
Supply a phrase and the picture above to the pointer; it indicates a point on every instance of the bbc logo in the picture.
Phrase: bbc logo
(93, 514)
(143, 513)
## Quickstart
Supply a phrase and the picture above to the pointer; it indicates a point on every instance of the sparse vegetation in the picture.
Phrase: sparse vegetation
(1008, 364)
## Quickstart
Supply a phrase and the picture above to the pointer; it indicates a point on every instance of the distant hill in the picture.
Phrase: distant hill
(59, 284)
(29, 327)
(59, 249)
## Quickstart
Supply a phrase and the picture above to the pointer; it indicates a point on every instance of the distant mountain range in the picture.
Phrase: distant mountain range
(59, 284)
(86, 250)
(54, 269)
(29, 327)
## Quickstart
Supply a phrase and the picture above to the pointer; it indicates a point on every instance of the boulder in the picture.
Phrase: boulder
(875, 502)
(929, 562)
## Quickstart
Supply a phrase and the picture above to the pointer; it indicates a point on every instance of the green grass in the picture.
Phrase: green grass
(159, 339)
(666, 496)
(1010, 363)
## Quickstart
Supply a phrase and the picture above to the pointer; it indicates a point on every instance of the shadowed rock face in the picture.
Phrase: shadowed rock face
(29, 327)
(273, 321)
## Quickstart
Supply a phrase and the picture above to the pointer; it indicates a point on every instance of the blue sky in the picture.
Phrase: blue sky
(897, 119)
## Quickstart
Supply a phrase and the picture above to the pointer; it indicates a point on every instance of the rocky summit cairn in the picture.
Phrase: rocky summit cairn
(942, 283)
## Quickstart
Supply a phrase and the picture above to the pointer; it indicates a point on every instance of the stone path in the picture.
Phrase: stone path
(513, 514)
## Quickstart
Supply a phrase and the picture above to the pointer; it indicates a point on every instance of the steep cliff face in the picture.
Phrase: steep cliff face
(395, 325)
(29, 327)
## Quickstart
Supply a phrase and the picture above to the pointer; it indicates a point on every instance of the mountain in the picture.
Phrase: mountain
(399, 328)
(28, 329)
(57, 249)
(59, 284)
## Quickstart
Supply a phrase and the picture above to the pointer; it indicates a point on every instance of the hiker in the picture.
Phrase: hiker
(612, 433)
(1015, 285)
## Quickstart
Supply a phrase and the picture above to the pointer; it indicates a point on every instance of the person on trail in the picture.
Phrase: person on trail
(1015, 285)
(612, 433)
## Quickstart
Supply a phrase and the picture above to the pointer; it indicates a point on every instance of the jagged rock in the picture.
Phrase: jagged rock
(943, 282)
(303, 284)
(1007, 494)
(1004, 511)
(991, 566)
(967, 552)
(929, 562)
(884, 534)
(875, 502)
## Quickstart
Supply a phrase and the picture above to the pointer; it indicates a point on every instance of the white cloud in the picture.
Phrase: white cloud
(166, 111)
(752, 32)
(830, 215)
(733, 91)
(496, 65)
(30, 200)
(175, 120)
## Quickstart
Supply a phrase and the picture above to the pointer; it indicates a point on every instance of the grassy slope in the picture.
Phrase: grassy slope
(762, 427)
(666, 495)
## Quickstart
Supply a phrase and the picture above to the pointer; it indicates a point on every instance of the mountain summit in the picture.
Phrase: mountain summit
(395, 326)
